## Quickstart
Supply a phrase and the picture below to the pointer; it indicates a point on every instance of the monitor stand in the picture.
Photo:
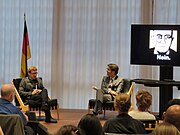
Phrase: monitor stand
(165, 91)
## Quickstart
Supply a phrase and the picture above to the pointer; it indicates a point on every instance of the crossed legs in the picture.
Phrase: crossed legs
(101, 97)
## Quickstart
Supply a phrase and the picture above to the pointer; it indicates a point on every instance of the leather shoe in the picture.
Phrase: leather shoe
(45, 107)
(51, 120)
(31, 116)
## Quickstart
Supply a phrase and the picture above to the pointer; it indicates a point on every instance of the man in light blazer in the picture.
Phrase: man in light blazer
(111, 86)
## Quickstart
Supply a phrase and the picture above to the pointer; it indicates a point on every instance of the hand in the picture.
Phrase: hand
(36, 91)
(94, 87)
(113, 93)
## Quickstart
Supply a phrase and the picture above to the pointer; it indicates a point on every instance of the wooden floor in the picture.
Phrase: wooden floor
(71, 116)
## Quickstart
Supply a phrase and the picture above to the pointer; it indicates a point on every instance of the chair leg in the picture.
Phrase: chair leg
(39, 113)
(104, 112)
(58, 113)
(88, 108)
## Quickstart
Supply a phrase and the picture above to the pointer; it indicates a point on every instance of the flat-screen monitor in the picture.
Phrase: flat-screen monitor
(155, 44)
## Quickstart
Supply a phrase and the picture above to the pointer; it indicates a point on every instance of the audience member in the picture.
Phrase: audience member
(111, 85)
(32, 90)
(1, 132)
(172, 115)
(171, 102)
(174, 101)
(68, 130)
(143, 102)
(6, 107)
(165, 129)
(123, 123)
(90, 125)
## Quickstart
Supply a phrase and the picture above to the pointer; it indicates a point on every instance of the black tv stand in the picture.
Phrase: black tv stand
(165, 91)
(165, 84)
(169, 80)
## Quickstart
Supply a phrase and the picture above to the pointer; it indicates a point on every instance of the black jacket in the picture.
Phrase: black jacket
(124, 124)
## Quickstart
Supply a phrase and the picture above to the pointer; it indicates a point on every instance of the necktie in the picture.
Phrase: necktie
(110, 83)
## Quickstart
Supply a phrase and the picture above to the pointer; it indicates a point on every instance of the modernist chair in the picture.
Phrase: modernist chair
(109, 105)
(31, 107)
(150, 125)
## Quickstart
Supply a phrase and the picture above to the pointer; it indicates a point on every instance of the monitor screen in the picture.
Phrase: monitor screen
(155, 44)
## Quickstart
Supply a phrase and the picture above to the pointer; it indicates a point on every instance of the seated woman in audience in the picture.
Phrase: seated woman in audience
(123, 123)
(166, 129)
(90, 125)
(143, 102)
(68, 130)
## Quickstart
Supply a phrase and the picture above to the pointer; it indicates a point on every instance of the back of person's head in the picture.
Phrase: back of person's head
(174, 101)
(68, 130)
(172, 115)
(7, 92)
(114, 67)
(166, 129)
(143, 100)
(122, 102)
(90, 125)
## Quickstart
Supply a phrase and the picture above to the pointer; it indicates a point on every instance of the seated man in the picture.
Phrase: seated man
(172, 115)
(6, 107)
(111, 85)
(174, 101)
(123, 123)
(31, 88)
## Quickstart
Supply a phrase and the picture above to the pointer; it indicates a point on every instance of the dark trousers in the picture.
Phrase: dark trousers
(41, 98)
(38, 100)
(101, 97)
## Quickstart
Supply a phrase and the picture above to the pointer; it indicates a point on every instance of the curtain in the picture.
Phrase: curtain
(39, 24)
(91, 35)
(72, 41)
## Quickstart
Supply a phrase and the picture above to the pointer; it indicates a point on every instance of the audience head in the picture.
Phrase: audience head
(112, 69)
(68, 130)
(172, 115)
(32, 72)
(122, 103)
(90, 125)
(143, 100)
(173, 102)
(166, 129)
(8, 92)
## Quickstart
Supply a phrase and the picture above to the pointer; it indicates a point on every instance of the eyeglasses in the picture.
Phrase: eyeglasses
(161, 37)
(34, 73)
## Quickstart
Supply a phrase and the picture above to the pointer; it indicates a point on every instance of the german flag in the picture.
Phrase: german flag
(26, 53)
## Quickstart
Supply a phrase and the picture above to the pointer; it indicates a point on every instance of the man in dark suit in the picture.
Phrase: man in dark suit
(111, 85)
(123, 123)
